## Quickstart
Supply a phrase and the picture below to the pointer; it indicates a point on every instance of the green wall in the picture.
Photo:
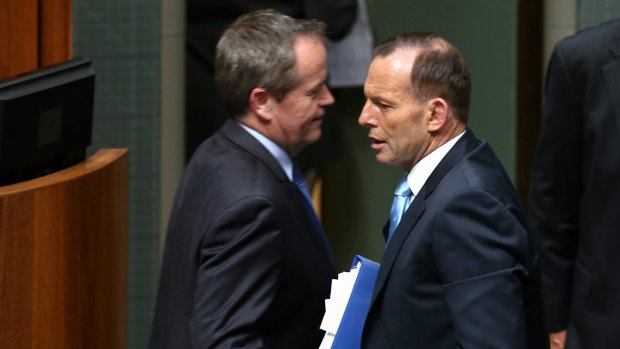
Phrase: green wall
(357, 190)
(593, 12)
(122, 38)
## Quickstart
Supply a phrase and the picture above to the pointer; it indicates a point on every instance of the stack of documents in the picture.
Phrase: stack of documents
(347, 307)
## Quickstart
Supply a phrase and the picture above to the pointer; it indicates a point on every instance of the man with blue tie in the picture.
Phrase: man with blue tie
(459, 269)
(246, 264)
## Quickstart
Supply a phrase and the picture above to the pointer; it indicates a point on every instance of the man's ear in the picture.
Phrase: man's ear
(438, 109)
(260, 103)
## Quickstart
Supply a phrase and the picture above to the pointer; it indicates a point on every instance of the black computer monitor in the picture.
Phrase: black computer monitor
(46, 120)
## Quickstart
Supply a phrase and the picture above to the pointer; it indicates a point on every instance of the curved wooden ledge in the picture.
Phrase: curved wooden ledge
(63, 257)
(98, 160)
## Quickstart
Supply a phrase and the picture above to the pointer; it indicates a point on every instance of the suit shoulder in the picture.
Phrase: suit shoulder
(590, 42)
(482, 171)
(222, 172)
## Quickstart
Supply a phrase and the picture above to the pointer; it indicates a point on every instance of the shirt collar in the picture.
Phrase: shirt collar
(423, 169)
(278, 153)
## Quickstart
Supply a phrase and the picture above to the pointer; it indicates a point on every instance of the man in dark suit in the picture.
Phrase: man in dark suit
(575, 192)
(459, 269)
(206, 21)
(246, 264)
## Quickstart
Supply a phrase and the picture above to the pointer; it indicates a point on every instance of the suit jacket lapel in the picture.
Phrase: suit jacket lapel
(239, 136)
(611, 72)
(418, 207)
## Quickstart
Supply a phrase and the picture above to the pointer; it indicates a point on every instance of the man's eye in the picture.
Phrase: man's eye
(382, 106)
(314, 92)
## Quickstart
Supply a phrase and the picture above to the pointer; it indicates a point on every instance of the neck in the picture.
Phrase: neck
(269, 132)
(438, 139)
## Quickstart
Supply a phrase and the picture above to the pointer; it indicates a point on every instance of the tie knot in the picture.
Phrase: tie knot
(403, 188)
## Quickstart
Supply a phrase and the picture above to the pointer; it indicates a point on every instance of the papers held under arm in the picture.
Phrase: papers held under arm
(347, 307)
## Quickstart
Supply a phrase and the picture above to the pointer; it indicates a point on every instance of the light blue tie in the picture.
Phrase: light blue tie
(402, 198)
(300, 183)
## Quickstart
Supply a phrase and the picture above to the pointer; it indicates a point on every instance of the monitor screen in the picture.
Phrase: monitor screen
(45, 120)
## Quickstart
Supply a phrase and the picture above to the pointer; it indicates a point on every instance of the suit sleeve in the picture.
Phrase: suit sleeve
(338, 15)
(237, 276)
(483, 255)
(556, 188)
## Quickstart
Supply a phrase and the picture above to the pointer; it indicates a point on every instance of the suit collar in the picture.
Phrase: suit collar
(237, 135)
(418, 176)
(465, 145)
(614, 47)
(243, 139)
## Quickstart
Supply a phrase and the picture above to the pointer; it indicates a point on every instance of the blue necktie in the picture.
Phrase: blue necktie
(300, 183)
(402, 198)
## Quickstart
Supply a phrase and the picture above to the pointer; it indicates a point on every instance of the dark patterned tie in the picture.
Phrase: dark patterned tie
(300, 183)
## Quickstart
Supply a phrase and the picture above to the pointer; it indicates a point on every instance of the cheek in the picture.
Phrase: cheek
(306, 114)
(308, 108)
(404, 138)
(301, 110)
(394, 130)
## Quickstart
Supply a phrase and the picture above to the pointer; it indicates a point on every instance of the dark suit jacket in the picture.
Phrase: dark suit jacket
(460, 269)
(575, 197)
(243, 266)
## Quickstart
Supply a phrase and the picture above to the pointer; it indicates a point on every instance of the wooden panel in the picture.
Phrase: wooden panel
(63, 257)
(55, 41)
(18, 37)
(16, 272)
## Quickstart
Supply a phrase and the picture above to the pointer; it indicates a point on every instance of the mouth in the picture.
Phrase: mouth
(318, 116)
(376, 143)
(316, 122)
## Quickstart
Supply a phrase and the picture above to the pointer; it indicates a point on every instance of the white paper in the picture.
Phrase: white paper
(337, 302)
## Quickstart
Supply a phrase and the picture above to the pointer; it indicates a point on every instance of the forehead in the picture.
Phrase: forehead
(310, 57)
(390, 74)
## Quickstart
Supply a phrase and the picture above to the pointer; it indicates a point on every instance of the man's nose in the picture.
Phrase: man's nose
(365, 118)
(326, 96)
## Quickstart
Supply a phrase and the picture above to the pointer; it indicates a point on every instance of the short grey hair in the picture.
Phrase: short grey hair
(257, 50)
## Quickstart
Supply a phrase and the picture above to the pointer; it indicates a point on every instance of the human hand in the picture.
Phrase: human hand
(557, 339)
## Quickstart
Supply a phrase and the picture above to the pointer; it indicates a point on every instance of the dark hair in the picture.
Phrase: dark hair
(438, 69)
(257, 50)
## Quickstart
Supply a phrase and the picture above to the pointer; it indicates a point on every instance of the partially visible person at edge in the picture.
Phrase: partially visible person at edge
(575, 190)
(246, 264)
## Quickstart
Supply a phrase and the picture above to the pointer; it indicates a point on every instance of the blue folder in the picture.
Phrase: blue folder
(349, 334)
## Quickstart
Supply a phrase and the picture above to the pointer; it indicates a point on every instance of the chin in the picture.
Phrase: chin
(385, 161)
(314, 136)
(381, 160)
